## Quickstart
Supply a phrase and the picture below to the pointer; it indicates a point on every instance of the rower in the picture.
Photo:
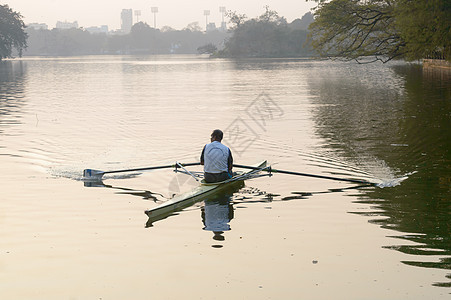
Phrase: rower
(217, 159)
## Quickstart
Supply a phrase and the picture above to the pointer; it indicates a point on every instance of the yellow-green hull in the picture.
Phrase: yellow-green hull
(197, 194)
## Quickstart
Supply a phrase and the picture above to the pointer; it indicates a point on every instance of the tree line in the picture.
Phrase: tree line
(265, 36)
(141, 40)
(352, 29)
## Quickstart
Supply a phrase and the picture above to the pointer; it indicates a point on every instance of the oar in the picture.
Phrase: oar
(97, 174)
(271, 170)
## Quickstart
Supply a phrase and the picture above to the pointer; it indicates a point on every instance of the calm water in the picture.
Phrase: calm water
(284, 236)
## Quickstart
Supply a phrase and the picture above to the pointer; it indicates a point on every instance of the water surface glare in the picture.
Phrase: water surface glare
(285, 237)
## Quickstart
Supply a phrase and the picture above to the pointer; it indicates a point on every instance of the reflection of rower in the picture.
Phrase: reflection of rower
(216, 215)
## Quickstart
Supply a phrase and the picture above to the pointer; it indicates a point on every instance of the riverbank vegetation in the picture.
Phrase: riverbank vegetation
(382, 29)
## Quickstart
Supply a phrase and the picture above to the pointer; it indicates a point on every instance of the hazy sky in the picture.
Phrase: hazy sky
(174, 13)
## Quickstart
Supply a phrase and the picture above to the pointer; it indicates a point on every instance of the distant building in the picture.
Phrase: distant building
(66, 25)
(100, 29)
(126, 20)
(211, 27)
(38, 26)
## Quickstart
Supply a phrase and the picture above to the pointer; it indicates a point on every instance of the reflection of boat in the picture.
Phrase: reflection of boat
(145, 194)
(199, 193)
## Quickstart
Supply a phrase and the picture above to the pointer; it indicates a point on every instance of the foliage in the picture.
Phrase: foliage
(271, 16)
(12, 33)
(207, 49)
(381, 29)
(355, 29)
(268, 35)
(194, 26)
(236, 19)
(426, 28)
(303, 23)
(144, 38)
(167, 29)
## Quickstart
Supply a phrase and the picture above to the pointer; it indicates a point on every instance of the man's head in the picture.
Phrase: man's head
(216, 135)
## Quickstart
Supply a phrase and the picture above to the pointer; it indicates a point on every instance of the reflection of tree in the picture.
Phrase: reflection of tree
(11, 93)
(353, 111)
(409, 132)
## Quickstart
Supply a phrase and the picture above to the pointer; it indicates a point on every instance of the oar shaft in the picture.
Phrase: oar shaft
(317, 176)
(269, 169)
(151, 168)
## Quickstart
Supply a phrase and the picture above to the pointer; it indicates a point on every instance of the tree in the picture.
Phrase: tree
(268, 35)
(142, 35)
(303, 23)
(272, 16)
(194, 27)
(382, 29)
(354, 29)
(236, 19)
(209, 48)
(167, 29)
(425, 26)
(12, 33)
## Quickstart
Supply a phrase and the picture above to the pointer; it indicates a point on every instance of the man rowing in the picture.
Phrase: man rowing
(217, 159)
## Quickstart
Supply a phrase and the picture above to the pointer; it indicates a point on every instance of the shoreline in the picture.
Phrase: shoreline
(437, 64)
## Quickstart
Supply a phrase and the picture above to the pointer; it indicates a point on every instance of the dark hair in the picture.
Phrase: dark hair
(217, 134)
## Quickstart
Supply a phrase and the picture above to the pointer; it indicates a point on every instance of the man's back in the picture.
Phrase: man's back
(217, 159)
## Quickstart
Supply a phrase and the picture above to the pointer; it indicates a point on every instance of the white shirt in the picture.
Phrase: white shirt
(216, 156)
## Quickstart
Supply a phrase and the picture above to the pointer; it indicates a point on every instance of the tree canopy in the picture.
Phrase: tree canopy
(382, 29)
(425, 26)
(268, 35)
(12, 34)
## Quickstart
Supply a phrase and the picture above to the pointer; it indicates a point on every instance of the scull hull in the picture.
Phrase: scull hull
(197, 194)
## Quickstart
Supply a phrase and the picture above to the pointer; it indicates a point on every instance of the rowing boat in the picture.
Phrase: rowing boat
(199, 193)
(93, 177)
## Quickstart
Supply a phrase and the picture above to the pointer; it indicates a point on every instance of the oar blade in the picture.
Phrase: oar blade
(92, 174)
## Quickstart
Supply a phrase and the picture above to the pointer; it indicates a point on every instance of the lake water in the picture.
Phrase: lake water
(290, 237)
